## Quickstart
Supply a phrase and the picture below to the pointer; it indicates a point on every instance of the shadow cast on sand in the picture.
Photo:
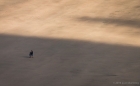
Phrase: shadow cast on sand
(63, 62)
(119, 22)
(26, 56)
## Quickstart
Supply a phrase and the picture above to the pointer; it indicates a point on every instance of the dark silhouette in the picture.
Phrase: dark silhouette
(31, 54)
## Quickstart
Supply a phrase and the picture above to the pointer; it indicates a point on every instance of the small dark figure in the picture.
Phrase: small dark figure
(31, 54)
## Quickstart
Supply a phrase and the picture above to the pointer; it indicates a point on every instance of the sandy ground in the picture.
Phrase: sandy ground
(75, 43)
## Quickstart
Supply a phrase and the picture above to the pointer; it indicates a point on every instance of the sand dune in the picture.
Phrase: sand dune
(76, 43)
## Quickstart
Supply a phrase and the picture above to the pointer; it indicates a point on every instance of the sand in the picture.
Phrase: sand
(75, 43)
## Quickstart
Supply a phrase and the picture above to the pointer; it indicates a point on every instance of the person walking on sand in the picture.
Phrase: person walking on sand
(31, 54)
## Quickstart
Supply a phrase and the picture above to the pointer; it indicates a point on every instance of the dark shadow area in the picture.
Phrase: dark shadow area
(119, 22)
(63, 62)
(25, 56)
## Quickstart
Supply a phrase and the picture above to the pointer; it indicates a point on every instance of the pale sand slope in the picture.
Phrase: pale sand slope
(76, 42)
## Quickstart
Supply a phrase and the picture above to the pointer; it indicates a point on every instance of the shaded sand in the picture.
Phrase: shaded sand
(65, 62)
(75, 43)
